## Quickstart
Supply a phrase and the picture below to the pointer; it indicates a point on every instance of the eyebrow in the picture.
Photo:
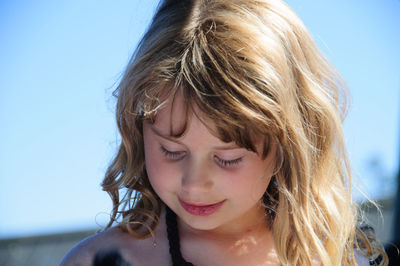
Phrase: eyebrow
(230, 146)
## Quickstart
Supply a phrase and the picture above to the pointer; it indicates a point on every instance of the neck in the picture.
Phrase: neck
(234, 245)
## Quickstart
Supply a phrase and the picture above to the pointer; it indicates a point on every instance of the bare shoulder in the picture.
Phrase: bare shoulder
(119, 246)
(85, 251)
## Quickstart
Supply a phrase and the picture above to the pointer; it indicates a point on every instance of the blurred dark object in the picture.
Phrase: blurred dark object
(393, 253)
(392, 250)
(109, 258)
(396, 214)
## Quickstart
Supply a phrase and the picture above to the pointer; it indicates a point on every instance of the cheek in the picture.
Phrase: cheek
(250, 188)
(250, 183)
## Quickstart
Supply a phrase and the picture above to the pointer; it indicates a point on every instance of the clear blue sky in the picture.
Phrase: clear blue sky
(60, 60)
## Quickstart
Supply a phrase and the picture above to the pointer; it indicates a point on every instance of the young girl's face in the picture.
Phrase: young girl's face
(208, 183)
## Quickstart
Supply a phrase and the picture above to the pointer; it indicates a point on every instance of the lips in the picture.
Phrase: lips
(201, 209)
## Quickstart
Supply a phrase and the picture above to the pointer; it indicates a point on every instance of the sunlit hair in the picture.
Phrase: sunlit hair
(251, 67)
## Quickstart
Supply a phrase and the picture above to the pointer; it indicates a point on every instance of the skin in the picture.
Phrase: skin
(194, 168)
(197, 168)
(200, 169)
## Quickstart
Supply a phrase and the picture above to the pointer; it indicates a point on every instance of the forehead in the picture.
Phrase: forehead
(176, 114)
(173, 116)
(176, 117)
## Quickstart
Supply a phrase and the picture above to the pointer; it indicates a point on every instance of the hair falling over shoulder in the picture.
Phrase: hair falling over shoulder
(252, 67)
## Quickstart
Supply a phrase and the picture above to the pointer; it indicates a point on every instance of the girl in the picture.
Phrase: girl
(232, 150)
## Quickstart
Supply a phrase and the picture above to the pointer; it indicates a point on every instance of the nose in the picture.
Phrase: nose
(197, 177)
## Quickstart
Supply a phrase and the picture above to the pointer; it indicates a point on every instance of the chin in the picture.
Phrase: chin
(205, 223)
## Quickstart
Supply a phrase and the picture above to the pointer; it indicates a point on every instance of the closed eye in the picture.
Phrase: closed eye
(228, 163)
(173, 155)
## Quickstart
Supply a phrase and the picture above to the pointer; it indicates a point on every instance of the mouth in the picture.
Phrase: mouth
(201, 209)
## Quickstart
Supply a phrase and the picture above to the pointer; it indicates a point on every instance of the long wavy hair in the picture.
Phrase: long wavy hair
(253, 68)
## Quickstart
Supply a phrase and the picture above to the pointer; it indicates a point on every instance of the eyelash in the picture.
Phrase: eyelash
(172, 154)
(228, 163)
(177, 155)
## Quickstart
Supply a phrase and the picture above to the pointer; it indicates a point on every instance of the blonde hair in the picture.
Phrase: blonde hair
(252, 67)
